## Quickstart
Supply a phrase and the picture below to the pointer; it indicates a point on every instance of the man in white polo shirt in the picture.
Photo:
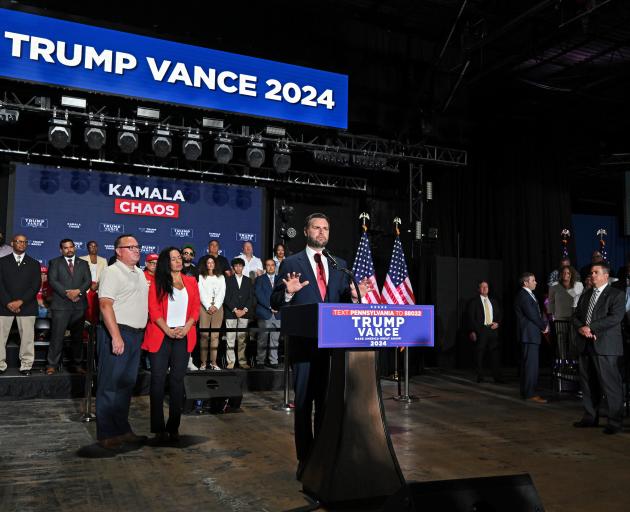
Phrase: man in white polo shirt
(123, 297)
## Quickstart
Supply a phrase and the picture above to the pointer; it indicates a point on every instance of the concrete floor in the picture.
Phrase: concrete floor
(245, 461)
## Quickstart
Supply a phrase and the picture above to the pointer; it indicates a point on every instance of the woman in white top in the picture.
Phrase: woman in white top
(211, 294)
(564, 296)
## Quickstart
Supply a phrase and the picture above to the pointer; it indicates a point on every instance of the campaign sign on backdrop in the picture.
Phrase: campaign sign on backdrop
(51, 204)
(53, 51)
(374, 325)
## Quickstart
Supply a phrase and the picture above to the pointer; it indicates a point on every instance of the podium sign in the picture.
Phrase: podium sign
(374, 326)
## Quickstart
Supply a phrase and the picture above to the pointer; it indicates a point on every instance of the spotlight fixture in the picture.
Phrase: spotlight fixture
(162, 143)
(282, 158)
(9, 115)
(255, 154)
(128, 138)
(332, 158)
(223, 151)
(191, 146)
(367, 161)
(59, 132)
(94, 134)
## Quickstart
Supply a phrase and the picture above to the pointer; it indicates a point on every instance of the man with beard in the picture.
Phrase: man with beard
(307, 278)
(189, 268)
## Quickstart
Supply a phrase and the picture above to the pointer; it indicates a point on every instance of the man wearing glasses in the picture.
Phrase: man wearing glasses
(70, 279)
(124, 300)
(189, 268)
(19, 284)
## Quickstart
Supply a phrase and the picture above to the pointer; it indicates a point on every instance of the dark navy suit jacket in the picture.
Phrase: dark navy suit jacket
(263, 290)
(529, 320)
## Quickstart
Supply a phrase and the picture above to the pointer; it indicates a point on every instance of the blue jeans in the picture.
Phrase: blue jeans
(117, 377)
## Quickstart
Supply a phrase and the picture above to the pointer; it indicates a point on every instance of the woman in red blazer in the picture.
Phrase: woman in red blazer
(169, 338)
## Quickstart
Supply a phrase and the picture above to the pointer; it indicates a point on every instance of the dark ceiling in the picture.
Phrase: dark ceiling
(426, 70)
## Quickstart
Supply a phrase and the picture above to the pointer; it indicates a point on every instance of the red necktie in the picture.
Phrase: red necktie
(321, 275)
(70, 266)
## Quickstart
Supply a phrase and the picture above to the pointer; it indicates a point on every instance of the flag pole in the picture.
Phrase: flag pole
(405, 397)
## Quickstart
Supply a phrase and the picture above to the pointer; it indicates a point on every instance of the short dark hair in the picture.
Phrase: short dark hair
(269, 259)
(91, 242)
(237, 261)
(525, 277)
(119, 238)
(481, 281)
(316, 215)
(65, 241)
(605, 266)
(214, 240)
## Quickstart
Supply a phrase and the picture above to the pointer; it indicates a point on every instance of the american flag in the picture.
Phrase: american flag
(397, 288)
(364, 268)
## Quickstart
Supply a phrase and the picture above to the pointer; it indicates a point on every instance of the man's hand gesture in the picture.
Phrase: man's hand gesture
(293, 284)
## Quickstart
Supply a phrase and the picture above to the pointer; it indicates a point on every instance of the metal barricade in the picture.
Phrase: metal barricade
(565, 370)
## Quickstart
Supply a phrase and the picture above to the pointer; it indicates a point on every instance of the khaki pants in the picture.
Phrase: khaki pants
(233, 323)
(214, 321)
(26, 327)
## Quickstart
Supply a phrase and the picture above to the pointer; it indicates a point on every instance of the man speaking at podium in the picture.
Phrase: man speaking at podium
(309, 278)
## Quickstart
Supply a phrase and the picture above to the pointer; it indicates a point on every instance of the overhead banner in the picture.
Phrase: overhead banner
(53, 51)
(52, 204)
(375, 326)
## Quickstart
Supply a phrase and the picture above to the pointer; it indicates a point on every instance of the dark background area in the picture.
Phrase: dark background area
(534, 91)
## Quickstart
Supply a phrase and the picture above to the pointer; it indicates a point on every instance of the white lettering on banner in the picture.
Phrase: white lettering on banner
(165, 71)
(377, 326)
(145, 192)
(40, 47)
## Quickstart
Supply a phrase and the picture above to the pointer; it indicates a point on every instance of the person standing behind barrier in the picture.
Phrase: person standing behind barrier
(279, 254)
(484, 316)
(267, 316)
(238, 309)
(123, 299)
(19, 284)
(600, 344)
(214, 249)
(530, 325)
(97, 265)
(70, 279)
(170, 337)
(563, 299)
(212, 294)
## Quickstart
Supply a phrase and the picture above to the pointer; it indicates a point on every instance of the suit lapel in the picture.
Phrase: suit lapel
(307, 269)
(600, 301)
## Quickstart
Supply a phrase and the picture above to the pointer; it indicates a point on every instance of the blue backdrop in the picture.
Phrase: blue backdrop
(50, 204)
(586, 240)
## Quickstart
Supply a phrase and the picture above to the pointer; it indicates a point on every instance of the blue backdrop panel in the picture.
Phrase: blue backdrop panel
(52, 204)
(586, 240)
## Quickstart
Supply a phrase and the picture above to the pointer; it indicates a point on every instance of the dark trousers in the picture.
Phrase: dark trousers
(310, 382)
(529, 369)
(63, 319)
(116, 379)
(488, 341)
(600, 375)
(173, 353)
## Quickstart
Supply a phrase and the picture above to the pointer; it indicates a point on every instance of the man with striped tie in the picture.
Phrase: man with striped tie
(597, 319)
(530, 325)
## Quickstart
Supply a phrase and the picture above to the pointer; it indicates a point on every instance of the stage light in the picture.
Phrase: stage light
(275, 131)
(59, 133)
(128, 138)
(368, 161)
(223, 151)
(191, 146)
(162, 143)
(94, 134)
(429, 190)
(282, 158)
(255, 154)
(72, 102)
(148, 113)
(9, 116)
(215, 124)
(332, 158)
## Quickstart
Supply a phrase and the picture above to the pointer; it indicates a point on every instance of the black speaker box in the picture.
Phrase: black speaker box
(511, 493)
(217, 389)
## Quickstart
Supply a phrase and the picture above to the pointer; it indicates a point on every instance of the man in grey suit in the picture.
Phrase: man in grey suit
(530, 325)
(70, 278)
(597, 319)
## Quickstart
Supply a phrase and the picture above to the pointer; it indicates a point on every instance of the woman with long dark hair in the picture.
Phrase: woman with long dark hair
(211, 293)
(169, 338)
(279, 253)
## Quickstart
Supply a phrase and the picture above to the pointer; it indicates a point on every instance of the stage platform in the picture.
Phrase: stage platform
(245, 461)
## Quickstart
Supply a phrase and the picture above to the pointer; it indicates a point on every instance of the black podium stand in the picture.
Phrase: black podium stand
(352, 460)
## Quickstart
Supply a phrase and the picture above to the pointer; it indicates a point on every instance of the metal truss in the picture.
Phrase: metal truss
(367, 152)
(42, 151)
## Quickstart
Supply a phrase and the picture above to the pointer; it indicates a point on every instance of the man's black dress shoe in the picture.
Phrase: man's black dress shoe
(586, 423)
(174, 436)
(25, 372)
(610, 430)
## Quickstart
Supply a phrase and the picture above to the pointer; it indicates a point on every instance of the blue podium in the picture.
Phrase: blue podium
(353, 459)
